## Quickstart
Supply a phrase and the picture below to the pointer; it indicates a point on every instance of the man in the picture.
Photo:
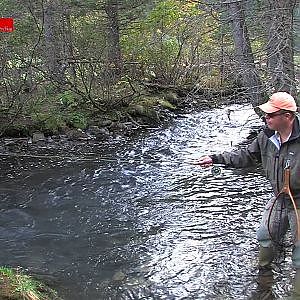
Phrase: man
(277, 148)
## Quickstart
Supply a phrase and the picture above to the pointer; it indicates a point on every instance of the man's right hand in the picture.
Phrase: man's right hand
(204, 161)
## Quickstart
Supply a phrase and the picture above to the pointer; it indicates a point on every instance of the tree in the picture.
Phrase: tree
(280, 46)
(243, 53)
(113, 36)
(52, 21)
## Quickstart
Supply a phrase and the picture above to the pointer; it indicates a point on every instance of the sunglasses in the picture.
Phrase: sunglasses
(274, 114)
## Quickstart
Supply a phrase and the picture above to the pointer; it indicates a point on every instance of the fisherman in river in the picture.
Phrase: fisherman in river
(277, 148)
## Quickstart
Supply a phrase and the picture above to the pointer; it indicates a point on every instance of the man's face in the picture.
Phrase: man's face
(277, 120)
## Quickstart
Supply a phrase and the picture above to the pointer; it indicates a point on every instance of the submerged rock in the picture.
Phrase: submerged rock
(119, 276)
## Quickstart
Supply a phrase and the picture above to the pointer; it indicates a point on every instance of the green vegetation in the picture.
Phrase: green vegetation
(15, 285)
(165, 42)
(69, 63)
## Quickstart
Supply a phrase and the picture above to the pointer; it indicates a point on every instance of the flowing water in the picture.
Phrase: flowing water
(136, 220)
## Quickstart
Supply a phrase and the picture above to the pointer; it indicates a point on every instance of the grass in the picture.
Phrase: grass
(15, 285)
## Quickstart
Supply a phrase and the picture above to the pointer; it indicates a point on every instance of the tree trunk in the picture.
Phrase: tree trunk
(69, 52)
(53, 40)
(243, 53)
(113, 36)
(280, 45)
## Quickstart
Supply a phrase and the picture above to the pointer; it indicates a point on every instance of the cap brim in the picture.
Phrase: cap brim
(268, 108)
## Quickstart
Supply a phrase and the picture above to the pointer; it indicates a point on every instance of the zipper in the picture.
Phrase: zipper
(276, 171)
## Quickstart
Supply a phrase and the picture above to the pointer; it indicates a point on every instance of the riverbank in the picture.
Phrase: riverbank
(159, 108)
(16, 285)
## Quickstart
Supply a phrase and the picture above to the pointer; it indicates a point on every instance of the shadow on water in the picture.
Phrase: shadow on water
(145, 224)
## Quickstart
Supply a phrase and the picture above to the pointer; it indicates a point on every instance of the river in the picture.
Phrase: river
(135, 220)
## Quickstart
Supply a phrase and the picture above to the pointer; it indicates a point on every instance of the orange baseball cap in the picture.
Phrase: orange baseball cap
(278, 101)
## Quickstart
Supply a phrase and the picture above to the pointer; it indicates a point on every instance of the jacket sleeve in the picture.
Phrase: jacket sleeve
(241, 158)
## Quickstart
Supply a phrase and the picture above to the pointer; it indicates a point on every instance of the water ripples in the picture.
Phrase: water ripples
(145, 224)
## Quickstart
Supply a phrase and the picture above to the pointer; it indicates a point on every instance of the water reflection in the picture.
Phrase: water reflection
(143, 224)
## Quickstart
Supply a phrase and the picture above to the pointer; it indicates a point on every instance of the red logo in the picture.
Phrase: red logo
(6, 24)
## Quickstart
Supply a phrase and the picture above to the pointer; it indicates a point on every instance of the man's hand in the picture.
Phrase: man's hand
(204, 161)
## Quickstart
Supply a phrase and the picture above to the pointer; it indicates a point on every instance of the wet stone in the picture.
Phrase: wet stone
(119, 276)
(38, 136)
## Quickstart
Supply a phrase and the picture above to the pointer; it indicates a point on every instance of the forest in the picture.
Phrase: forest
(95, 63)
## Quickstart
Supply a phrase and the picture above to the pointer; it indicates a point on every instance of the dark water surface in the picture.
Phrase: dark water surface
(140, 222)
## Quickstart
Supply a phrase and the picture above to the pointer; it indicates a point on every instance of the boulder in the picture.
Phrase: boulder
(37, 137)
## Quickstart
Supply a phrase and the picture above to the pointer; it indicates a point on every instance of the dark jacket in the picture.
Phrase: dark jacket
(263, 150)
